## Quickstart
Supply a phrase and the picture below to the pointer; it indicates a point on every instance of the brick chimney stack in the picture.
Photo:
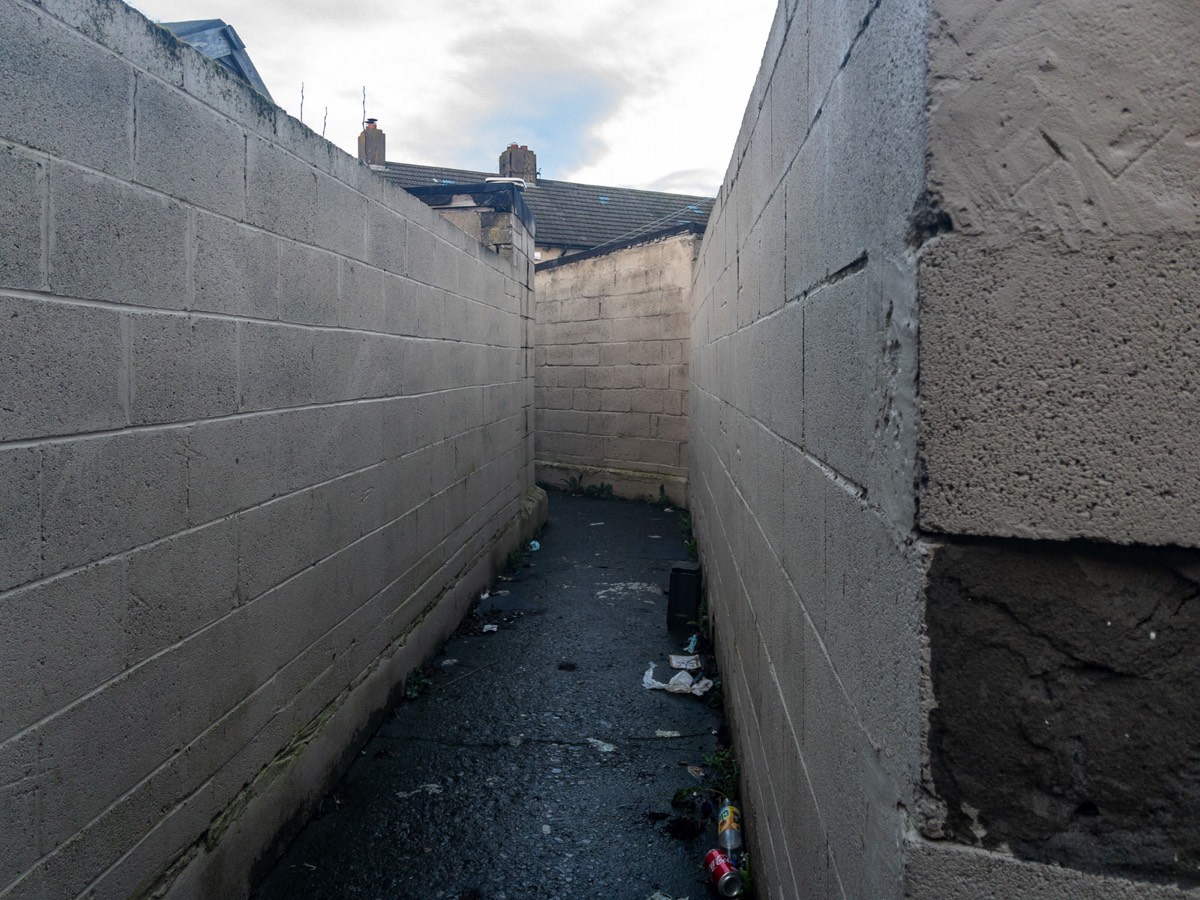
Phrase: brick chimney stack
(519, 162)
(371, 145)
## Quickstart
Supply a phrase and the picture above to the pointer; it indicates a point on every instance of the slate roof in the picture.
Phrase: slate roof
(572, 215)
(217, 40)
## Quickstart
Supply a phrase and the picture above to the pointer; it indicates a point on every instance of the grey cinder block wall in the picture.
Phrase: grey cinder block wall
(612, 343)
(945, 454)
(265, 421)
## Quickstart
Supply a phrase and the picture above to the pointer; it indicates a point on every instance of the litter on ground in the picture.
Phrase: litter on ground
(682, 683)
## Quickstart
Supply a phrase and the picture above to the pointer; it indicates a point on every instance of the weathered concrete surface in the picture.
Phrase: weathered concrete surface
(1066, 723)
(1058, 337)
(489, 785)
(612, 360)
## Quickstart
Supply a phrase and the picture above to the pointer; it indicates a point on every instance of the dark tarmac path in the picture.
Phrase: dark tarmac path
(532, 765)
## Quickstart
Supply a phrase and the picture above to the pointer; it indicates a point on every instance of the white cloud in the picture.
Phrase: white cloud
(623, 92)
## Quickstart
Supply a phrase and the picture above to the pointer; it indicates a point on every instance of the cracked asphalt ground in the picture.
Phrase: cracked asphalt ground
(531, 766)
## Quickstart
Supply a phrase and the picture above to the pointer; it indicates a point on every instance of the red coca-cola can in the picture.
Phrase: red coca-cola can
(725, 878)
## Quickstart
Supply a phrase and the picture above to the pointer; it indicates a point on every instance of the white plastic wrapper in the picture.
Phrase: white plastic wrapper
(689, 663)
(682, 683)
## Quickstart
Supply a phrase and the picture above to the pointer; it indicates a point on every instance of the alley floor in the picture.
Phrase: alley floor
(532, 763)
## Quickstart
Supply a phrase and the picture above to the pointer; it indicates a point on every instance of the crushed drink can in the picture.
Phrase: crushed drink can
(725, 878)
(729, 828)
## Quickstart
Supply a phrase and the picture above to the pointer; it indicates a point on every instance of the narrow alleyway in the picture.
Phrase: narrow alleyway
(532, 762)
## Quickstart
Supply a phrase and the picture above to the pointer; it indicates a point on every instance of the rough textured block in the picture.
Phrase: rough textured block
(172, 126)
(104, 495)
(340, 223)
(236, 270)
(276, 541)
(181, 368)
(235, 464)
(276, 365)
(179, 585)
(92, 89)
(59, 640)
(72, 354)
(23, 197)
(20, 511)
(308, 285)
(281, 192)
(115, 242)
(1118, 465)
(360, 297)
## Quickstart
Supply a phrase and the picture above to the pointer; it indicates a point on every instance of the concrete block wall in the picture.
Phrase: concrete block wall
(265, 422)
(950, 566)
(612, 345)
(803, 426)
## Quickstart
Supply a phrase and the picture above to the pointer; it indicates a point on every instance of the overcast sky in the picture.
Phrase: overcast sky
(634, 93)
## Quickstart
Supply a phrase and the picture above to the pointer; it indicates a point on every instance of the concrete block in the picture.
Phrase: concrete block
(1059, 400)
(70, 633)
(586, 399)
(784, 357)
(642, 450)
(232, 465)
(276, 365)
(807, 211)
(616, 400)
(358, 435)
(401, 305)
(181, 368)
(92, 89)
(843, 350)
(281, 192)
(70, 353)
(669, 428)
(647, 401)
(20, 511)
(872, 629)
(790, 109)
(276, 541)
(104, 495)
(91, 760)
(585, 355)
(387, 237)
(655, 378)
(341, 223)
(431, 312)
(410, 423)
(236, 270)
(180, 585)
(115, 242)
(617, 424)
(1095, 145)
(419, 261)
(308, 285)
(360, 297)
(309, 449)
(23, 194)
(803, 487)
(188, 150)
(874, 183)
(615, 377)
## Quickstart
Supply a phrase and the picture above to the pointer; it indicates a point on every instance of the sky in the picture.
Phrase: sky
(631, 93)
